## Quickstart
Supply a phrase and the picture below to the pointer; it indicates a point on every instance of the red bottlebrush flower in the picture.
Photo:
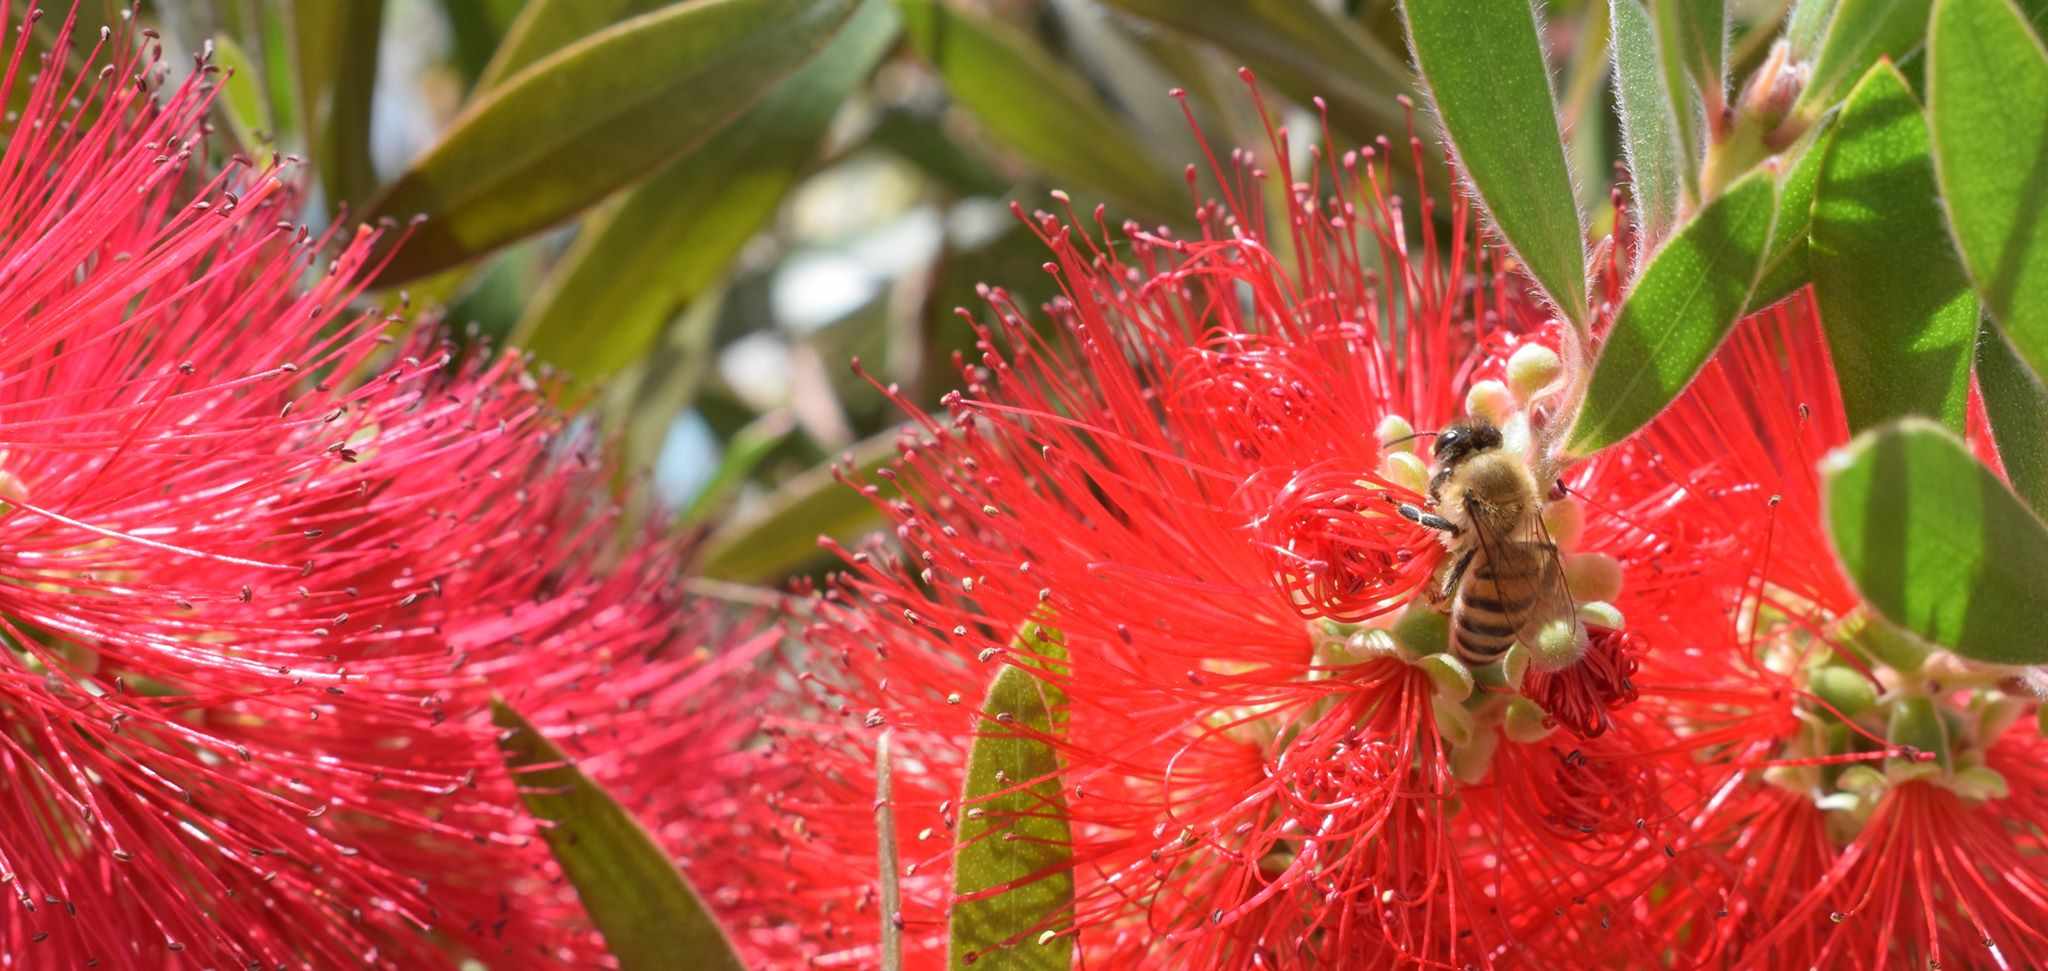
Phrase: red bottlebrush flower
(1192, 467)
(264, 568)
(1873, 804)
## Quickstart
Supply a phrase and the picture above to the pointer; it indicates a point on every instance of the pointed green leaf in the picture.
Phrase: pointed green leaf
(1785, 262)
(1987, 97)
(1695, 40)
(2017, 404)
(744, 452)
(1012, 864)
(1934, 541)
(241, 96)
(1858, 35)
(595, 116)
(783, 535)
(1649, 127)
(1483, 64)
(1040, 109)
(652, 920)
(546, 26)
(1304, 50)
(1806, 25)
(1899, 315)
(336, 45)
(1680, 308)
(642, 256)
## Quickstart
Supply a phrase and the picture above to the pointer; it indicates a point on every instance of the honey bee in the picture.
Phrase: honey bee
(1506, 582)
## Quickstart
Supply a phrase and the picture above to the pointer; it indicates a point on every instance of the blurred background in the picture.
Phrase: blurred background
(697, 213)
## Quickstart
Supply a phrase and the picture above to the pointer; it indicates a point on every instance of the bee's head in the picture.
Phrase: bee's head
(1453, 444)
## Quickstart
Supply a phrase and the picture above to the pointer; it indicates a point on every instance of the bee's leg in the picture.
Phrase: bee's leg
(1445, 591)
(1428, 519)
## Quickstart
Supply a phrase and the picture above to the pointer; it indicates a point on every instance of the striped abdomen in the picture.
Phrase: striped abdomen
(1496, 598)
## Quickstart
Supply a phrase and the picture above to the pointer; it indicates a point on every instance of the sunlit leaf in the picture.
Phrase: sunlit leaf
(241, 100)
(475, 29)
(782, 535)
(1649, 126)
(2017, 404)
(1040, 109)
(651, 919)
(1934, 541)
(1785, 263)
(1483, 64)
(335, 42)
(1013, 881)
(1302, 49)
(1680, 308)
(744, 453)
(1859, 33)
(1987, 100)
(646, 254)
(1898, 312)
(1806, 26)
(595, 116)
(546, 26)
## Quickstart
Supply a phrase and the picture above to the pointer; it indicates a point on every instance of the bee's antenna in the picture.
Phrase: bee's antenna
(1406, 438)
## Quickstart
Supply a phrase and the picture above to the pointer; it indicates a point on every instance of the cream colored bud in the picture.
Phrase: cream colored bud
(1452, 679)
(1532, 368)
(1470, 761)
(1565, 520)
(1592, 576)
(1394, 434)
(1600, 613)
(1525, 721)
(1490, 400)
(1558, 644)
(1405, 469)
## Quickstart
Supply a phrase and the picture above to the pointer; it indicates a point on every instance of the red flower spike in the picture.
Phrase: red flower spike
(264, 568)
(1839, 846)
(1177, 464)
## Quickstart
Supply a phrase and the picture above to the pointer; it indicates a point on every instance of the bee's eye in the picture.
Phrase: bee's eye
(1448, 441)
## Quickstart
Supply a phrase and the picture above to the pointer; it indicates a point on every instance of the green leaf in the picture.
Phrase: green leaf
(1987, 98)
(1649, 127)
(920, 138)
(1806, 26)
(546, 26)
(1681, 55)
(1695, 40)
(1304, 50)
(1012, 863)
(1859, 34)
(1934, 541)
(783, 535)
(594, 116)
(2017, 404)
(650, 916)
(476, 28)
(1898, 313)
(891, 867)
(1483, 63)
(1680, 308)
(1785, 262)
(644, 255)
(1040, 109)
(241, 96)
(336, 45)
(744, 453)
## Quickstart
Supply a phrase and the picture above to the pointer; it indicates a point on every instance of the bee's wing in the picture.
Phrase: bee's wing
(1549, 598)
(1523, 575)
(1552, 598)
